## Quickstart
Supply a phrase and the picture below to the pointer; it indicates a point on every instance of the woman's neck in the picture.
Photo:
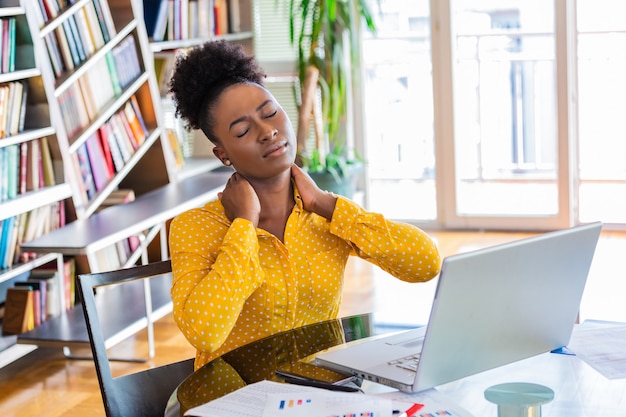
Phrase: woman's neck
(277, 202)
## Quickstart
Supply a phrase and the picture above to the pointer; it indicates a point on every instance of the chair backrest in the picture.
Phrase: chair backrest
(143, 393)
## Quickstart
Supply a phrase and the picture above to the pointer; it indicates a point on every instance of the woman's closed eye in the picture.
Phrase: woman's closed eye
(271, 114)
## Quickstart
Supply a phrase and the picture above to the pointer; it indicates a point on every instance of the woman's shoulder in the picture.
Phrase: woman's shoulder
(211, 213)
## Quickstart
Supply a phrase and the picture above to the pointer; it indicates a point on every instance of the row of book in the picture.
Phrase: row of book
(190, 19)
(25, 227)
(106, 151)
(13, 97)
(7, 44)
(79, 36)
(83, 101)
(25, 167)
(33, 301)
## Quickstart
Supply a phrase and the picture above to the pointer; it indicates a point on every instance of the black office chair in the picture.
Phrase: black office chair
(143, 393)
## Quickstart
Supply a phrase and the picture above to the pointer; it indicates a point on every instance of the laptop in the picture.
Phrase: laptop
(491, 307)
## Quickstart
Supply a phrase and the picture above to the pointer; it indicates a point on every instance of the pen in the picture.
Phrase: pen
(410, 412)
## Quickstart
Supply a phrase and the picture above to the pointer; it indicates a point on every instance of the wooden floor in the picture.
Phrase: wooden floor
(45, 383)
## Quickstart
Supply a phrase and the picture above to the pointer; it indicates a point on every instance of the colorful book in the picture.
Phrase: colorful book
(85, 171)
(99, 169)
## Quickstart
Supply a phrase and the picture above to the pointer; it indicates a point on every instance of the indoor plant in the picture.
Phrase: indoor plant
(327, 36)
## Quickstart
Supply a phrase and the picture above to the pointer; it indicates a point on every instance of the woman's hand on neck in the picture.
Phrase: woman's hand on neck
(313, 198)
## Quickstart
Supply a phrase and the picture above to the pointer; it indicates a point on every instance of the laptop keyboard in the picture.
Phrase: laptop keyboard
(408, 362)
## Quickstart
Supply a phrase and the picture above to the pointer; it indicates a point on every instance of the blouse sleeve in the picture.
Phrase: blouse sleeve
(215, 269)
(401, 249)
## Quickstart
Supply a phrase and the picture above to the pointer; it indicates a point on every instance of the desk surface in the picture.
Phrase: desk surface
(579, 389)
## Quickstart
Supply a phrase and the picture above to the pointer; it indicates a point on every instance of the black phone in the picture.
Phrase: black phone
(311, 372)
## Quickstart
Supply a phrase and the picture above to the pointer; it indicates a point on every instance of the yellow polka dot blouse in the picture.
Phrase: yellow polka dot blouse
(233, 284)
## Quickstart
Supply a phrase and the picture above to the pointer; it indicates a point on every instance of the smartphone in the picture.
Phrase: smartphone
(311, 372)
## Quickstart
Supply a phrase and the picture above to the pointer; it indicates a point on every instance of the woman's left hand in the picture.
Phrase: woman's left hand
(313, 198)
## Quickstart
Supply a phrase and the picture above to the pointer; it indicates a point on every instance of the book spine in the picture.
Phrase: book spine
(85, 171)
(97, 161)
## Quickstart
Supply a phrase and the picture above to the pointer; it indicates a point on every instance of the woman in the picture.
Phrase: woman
(269, 254)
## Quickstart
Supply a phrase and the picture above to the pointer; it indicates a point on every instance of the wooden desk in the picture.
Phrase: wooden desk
(579, 389)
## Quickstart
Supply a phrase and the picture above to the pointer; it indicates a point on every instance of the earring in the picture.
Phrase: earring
(227, 162)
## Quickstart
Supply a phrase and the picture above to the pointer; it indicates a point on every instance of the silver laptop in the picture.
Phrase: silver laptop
(492, 307)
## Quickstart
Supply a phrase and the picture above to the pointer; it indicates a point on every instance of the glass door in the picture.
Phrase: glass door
(601, 60)
(461, 116)
(398, 108)
(501, 156)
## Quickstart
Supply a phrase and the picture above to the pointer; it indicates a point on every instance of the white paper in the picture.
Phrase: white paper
(602, 345)
(264, 399)
(435, 403)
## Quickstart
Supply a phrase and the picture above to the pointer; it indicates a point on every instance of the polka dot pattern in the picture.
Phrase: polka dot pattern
(233, 284)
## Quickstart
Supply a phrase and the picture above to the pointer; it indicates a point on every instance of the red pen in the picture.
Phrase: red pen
(410, 412)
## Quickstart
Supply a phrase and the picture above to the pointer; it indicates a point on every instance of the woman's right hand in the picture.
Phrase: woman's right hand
(240, 200)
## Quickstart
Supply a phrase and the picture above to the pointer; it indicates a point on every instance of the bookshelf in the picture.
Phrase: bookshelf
(104, 98)
(61, 89)
(173, 27)
(94, 113)
(33, 186)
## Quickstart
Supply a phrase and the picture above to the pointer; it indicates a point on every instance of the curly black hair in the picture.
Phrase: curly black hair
(201, 75)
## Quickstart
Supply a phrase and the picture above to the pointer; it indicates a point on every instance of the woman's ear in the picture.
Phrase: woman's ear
(221, 155)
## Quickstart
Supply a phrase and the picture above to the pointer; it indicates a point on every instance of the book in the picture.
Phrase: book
(71, 40)
(18, 311)
(100, 83)
(12, 154)
(16, 110)
(8, 59)
(113, 135)
(54, 53)
(51, 280)
(13, 242)
(37, 312)
(206, 24)
(115, 80)
(105, 18)
(4, 108)
(177, 150)
(85, 90)
(85, 174)
(39, 286)
(99, 170)
(78, 39)
(106, 150)
(120, 119)
(21, 256)
(160, 23)
(113, 147)
(82, 27)
(64, 49)
(138, 128)
(5, 239)
(221, 17)
(234, 16)
(94, 26)
(82, 197)
(125, 142)
(33, 165)
(23, 105)
(126, 61)
(47, 164)
(67, 280)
